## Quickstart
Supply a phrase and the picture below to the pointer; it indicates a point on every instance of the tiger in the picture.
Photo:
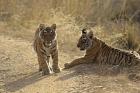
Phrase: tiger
(99, 52)
(45, 46)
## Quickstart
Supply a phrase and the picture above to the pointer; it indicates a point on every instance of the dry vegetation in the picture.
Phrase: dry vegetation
(111, 16)
(117, 22)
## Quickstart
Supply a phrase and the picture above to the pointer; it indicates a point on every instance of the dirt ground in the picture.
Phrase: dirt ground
(19, 73)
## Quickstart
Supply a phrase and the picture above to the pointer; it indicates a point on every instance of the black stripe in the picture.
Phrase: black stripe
(115, 57)
(107, 54)
(120, 57)
(127, 60)
(104, 51)
(123, 62)
(110, 55)
(43, 51)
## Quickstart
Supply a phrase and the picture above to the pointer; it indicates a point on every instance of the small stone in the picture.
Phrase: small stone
(98, 87)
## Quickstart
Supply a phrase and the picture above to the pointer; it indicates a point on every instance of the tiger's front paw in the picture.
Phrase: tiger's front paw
(45, 72)
(56, 70)
(134, 77)
(66, 66)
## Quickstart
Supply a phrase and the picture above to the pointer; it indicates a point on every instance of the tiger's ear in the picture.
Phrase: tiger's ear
(90, 34)
(42, 26)
(84, 31)
(53, 26)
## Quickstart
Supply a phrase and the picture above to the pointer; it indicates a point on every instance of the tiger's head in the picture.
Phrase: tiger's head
(47, 34)
(85, 41)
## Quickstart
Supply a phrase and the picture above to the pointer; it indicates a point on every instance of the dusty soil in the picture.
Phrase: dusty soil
(19, 73)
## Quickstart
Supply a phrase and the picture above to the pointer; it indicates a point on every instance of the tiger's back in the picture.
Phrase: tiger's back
(113, 56)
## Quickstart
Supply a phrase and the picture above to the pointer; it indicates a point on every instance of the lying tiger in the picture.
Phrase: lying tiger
(98, 51)
(45, 45)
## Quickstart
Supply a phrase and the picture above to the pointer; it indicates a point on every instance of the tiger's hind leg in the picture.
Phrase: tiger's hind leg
(43, 66)
(55, 65)
(39, 63)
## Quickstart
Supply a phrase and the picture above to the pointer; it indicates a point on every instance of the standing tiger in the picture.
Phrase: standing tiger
(98, 51)
(45, 45)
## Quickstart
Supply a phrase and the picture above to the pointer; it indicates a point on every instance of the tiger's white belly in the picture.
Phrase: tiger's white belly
(49, 48)
(48, 51)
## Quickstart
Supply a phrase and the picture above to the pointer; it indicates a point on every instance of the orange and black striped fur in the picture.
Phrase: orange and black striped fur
(98, 51)
(45, 45)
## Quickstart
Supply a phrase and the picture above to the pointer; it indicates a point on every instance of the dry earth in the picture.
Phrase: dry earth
(19, 73)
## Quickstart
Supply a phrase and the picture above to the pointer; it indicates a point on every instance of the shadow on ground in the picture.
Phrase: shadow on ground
(23, 82)
(101, 70)
(87, 69)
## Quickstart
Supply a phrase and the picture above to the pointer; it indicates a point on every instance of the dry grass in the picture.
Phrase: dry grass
(113, 19)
